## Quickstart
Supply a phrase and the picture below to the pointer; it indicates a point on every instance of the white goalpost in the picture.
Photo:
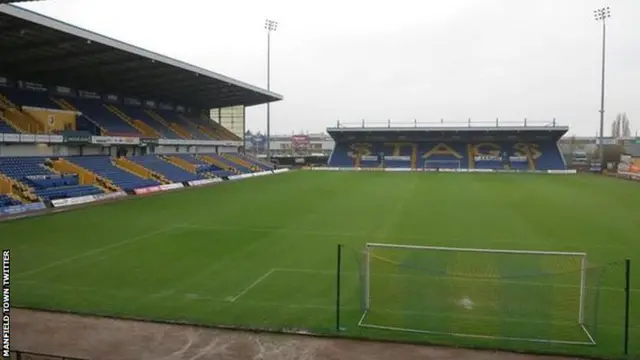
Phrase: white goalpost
(510, 295)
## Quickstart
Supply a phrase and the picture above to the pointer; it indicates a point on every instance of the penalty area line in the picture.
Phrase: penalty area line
(258, 281)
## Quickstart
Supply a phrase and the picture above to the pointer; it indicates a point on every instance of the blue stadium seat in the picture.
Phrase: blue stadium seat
(251, 160)
(230, 163)
(340, 156)
(97, 112)
(203, 167)
(21, 167)
(51, 181)
(138, 113)
(46, 184)
(6, 128)
(173, 117)
(550, 157)
(32, 98)
(103, 166)
(546, 155)
(165, 168)
(5, 200)
(67, 192)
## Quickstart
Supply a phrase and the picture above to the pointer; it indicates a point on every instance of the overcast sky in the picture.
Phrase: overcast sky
(398, 60)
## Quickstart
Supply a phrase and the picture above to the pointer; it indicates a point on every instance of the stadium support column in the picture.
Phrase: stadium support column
(270, 26)
(602, 15)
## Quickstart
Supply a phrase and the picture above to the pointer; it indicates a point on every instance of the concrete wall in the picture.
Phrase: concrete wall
(205, 149)
(29, 149)
(223, 149)
(56, 150)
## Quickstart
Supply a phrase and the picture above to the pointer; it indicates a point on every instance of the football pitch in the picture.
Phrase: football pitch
(262, 253)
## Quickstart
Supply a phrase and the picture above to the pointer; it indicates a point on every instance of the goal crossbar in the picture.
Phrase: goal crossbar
(495, 251)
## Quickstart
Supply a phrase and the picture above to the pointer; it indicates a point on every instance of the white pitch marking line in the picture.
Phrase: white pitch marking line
(97, 251)
(101, 292)
(260, 279)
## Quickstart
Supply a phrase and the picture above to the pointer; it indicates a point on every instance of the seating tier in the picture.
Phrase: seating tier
(103, 166)
(168, 170)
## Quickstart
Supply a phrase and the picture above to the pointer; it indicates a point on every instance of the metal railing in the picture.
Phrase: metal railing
(25, 355)
(445, 124)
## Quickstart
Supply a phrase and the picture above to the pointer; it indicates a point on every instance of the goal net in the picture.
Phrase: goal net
(535, 296)
(441, 164)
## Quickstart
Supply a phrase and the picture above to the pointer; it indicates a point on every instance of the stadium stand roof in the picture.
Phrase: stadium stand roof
(15, 1)
(422, 131)
(41, 49)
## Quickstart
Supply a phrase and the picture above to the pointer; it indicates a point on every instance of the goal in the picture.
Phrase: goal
(441, 164)
(535, 296)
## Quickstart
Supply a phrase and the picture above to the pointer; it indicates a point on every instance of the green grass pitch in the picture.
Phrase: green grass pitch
(262, 252)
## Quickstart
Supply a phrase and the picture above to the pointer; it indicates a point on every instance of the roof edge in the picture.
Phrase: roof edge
(35, 17)
(451, 129)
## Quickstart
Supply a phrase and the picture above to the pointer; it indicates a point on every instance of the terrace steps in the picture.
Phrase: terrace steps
(146, 129)
(19, 120)
(181, 163)
(224, 133)
(532, 164)
(139, 170)
(85, 176)
(62, 168)
(180, 131)
(172, 126)
(143, 128)
(48, 164)
(414, 156)
(64, 104)
(209, 132)
(213, 161)
(16, 198)
(195, 126)
(24, 192)
(471, 156)
(115, 163)
(259, 161)
(238, 161)
(6, 186)
(11, 124)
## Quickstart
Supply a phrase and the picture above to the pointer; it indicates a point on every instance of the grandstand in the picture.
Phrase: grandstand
(67, 131)
(526, 146)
